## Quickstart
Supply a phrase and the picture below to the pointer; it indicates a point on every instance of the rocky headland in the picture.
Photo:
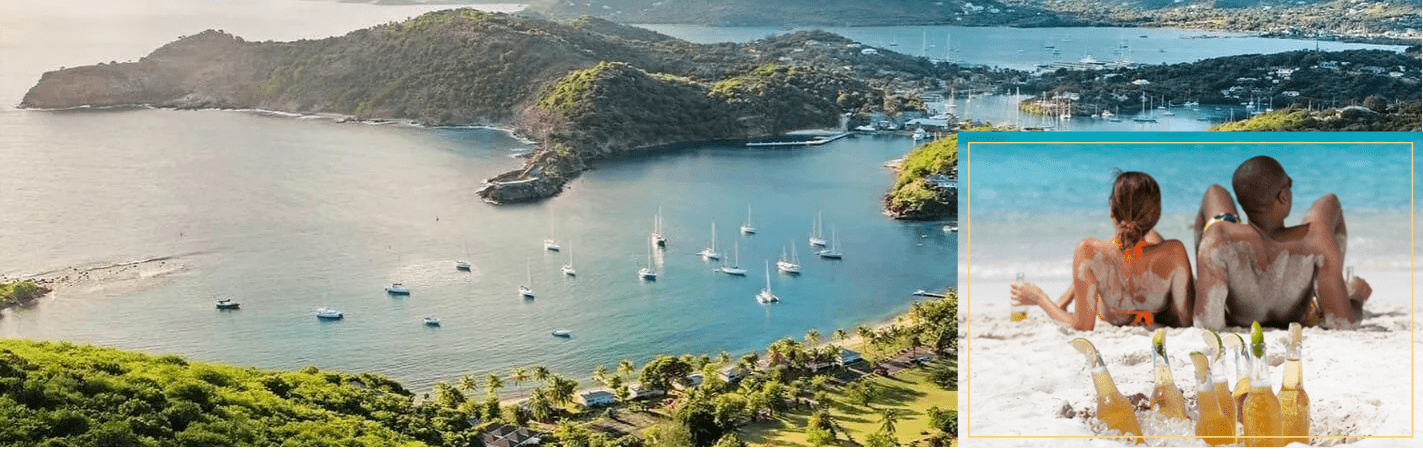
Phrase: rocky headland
(584, 90)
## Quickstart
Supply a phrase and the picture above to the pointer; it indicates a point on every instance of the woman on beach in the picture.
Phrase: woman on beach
(1134, 279)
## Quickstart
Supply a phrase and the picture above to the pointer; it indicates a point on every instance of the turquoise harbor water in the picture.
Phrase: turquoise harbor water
(285, 214)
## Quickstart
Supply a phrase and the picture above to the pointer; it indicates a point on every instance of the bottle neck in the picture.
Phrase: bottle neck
(1163, 369)
(1102, 380)
(1242, 365)
(1293, 376)
(1218, 374)
(1206, 397)
(1260, 368)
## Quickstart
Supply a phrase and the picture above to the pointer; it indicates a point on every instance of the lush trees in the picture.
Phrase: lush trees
(20, 292)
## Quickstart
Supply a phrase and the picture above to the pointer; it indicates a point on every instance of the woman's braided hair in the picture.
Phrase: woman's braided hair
(1136, 205)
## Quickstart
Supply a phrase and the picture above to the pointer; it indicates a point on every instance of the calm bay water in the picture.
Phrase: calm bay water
(286, 214)
(312, 212)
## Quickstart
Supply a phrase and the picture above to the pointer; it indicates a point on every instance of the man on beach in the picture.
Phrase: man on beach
(1261, 270)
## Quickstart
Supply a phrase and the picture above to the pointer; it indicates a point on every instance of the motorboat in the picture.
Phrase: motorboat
(227, 304)
(327, 313)
(397, 289)
(432, 321)
(565, 333)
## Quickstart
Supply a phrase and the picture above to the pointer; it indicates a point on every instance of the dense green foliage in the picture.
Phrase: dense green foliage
(58, 394)
(1296, 78)
(1374, 115)
(913, 196)
(19, 292)
(1306, 18)
(809, 12)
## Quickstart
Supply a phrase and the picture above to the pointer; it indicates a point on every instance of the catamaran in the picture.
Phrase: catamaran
(834, 251)
(817, 237)
(791, 265)
(765, 296)
(746, 227)
(735, 267)
(710, 252)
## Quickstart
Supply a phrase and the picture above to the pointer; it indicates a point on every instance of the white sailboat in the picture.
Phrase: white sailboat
(709, 252)
(791, 265)
(817, 237)
(550, 243)
(648, 272)
(735, 267)
(746, 227)
(527, 290)
(657, 237)
(568, 267)
(766, 296)
(834, 251)
(463, 264)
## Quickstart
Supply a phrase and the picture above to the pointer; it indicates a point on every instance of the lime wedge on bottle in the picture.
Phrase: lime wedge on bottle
(1203, 366)
(1213, 342)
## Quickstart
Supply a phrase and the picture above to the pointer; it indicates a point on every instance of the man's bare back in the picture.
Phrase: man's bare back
(1263, 271)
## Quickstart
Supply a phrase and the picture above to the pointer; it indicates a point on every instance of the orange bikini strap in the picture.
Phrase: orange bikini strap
(1142, 318)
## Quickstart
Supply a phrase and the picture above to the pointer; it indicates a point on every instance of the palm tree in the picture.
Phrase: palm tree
(448, 396)
(748, 361)
(839, 335)
(561, 390)
(541, 373)
(626, 368)
(723, 358)
(518, 376)
(600, 374)
(467, 383)
(887, 420)
(492, 384)
(812, 337)
(864, 333)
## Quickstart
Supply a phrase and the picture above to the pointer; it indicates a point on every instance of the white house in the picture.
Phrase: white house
(598, 397)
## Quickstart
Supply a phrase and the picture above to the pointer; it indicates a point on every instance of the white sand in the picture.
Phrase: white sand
(1023, 379)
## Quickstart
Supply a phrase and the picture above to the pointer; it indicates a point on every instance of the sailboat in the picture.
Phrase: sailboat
(791, 265)
(735, 267)
(550, 243)
(1142, 117)
(657, 237)
(834, 251)
(746, 227)
(568, 267)
(816, 233)
(463, 264)
(526, 290)
(765, 296)
(710, 252)
(648, 273)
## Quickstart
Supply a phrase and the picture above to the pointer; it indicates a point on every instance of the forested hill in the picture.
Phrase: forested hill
(812, 12)
(584, 89)
(58, 394)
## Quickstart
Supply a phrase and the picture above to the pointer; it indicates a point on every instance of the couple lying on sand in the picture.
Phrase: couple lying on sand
(1246, 271)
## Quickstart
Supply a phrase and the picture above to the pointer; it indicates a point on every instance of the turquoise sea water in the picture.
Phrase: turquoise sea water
(1030, 203)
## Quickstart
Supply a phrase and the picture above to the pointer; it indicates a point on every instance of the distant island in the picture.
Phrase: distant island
(1385, 21)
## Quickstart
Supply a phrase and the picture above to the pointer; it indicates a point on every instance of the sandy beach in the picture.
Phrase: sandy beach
(1025, 383)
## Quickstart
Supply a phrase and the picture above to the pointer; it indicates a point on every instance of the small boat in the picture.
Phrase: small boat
(791, 265)
(463, 264)
(817, 237)
(327, 313)
(526, 290)
(551, 244)
(766, 296)
(227, 304)
(735, 268)
(746, 227)
(710, 252)
(657, 237)
(565, 333)
(647, 273)
(920, 134)
(568, 267)
(432, 321)
(397, 289)
(834, 251)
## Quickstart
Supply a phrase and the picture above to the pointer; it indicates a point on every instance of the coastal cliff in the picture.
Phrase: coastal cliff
(584, 90)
